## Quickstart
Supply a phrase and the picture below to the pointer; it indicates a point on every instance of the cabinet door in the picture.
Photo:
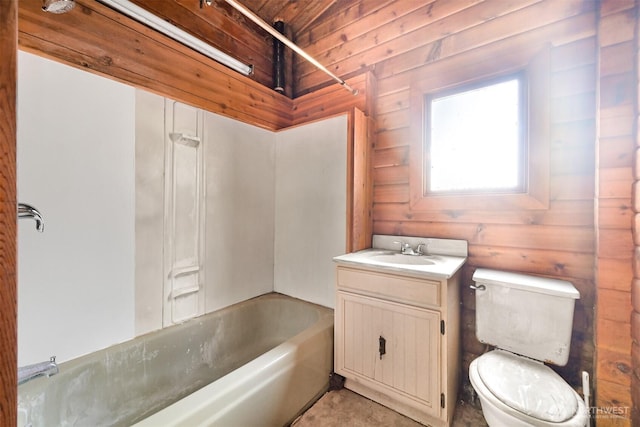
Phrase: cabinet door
(408, 366)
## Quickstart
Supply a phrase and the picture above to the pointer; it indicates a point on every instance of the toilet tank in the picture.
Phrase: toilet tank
(527, 315)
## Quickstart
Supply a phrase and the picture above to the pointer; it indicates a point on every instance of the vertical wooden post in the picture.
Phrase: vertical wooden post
(617, 330)
(8, 275)
(362, 190)
(635, 227)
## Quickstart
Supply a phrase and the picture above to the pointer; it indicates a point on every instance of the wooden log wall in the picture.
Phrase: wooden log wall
(617, 355)
(432, 38)
(8, 216)
(615, 248)
(635, 284)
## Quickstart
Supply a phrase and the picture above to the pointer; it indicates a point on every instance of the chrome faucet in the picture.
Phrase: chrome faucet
(29, 372)
(406, 249)
(28, 211)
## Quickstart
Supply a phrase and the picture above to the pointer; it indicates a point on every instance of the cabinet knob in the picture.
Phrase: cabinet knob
(382, 346)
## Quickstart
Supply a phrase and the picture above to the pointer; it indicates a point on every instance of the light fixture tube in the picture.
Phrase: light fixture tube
(147, 18)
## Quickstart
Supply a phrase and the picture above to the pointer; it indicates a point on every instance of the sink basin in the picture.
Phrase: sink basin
(442, 257)
(395, 258)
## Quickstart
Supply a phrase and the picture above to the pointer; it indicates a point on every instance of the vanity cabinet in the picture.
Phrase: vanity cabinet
(397, 340)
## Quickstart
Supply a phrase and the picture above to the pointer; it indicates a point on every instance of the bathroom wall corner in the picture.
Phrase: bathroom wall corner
(149, 211)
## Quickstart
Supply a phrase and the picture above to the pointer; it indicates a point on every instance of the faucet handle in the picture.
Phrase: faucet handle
(403, 246)
(419, 250)
(406, 249)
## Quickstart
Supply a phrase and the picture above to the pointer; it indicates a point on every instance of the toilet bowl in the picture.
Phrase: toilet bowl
(515, 391)
(528, 319)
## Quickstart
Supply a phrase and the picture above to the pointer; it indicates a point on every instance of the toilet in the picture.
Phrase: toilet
(529, 320)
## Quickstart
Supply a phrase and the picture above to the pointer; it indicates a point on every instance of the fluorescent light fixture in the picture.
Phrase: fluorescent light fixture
(147, 18)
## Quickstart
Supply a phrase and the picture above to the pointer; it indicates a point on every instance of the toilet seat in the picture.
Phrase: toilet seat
(515, 390)
(527, 386)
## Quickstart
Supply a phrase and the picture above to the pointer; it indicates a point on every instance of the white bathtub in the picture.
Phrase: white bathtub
(257, 363)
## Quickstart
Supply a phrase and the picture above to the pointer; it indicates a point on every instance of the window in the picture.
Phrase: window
(475, 139)
(479, 134)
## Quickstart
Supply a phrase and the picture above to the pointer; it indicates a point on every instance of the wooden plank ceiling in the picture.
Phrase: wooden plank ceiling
(298, 14)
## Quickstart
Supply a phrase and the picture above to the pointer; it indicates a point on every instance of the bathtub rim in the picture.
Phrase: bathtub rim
(180, 412)
(74, 366)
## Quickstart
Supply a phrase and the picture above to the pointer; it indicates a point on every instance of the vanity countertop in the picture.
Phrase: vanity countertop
(442, 258)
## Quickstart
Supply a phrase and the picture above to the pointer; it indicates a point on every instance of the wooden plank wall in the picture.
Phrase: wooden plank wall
(248, 42)
(334, 99)
(558, 242)
(250, 47)
(428, 38)
(8, 216)
(97, 39)
(635, 200)
(355, 35)
(635, 284)
(104, 42)
(615, 213)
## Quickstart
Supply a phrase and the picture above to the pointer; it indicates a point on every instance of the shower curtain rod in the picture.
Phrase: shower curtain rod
(268, 28)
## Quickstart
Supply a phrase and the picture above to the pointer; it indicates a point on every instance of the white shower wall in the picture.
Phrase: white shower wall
(240, 161)
(311, 209)
(275, 210)
(91, 157)
(76, 165)
(239, 175)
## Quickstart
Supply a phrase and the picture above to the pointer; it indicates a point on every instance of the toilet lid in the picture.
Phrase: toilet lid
(527, 386)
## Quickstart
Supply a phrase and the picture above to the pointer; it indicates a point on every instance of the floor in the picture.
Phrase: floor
(344, 408)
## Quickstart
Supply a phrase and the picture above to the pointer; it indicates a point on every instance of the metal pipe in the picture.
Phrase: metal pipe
(255, 18)
(278, 59)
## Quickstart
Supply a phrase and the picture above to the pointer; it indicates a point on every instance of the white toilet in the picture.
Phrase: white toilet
(529, 319)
